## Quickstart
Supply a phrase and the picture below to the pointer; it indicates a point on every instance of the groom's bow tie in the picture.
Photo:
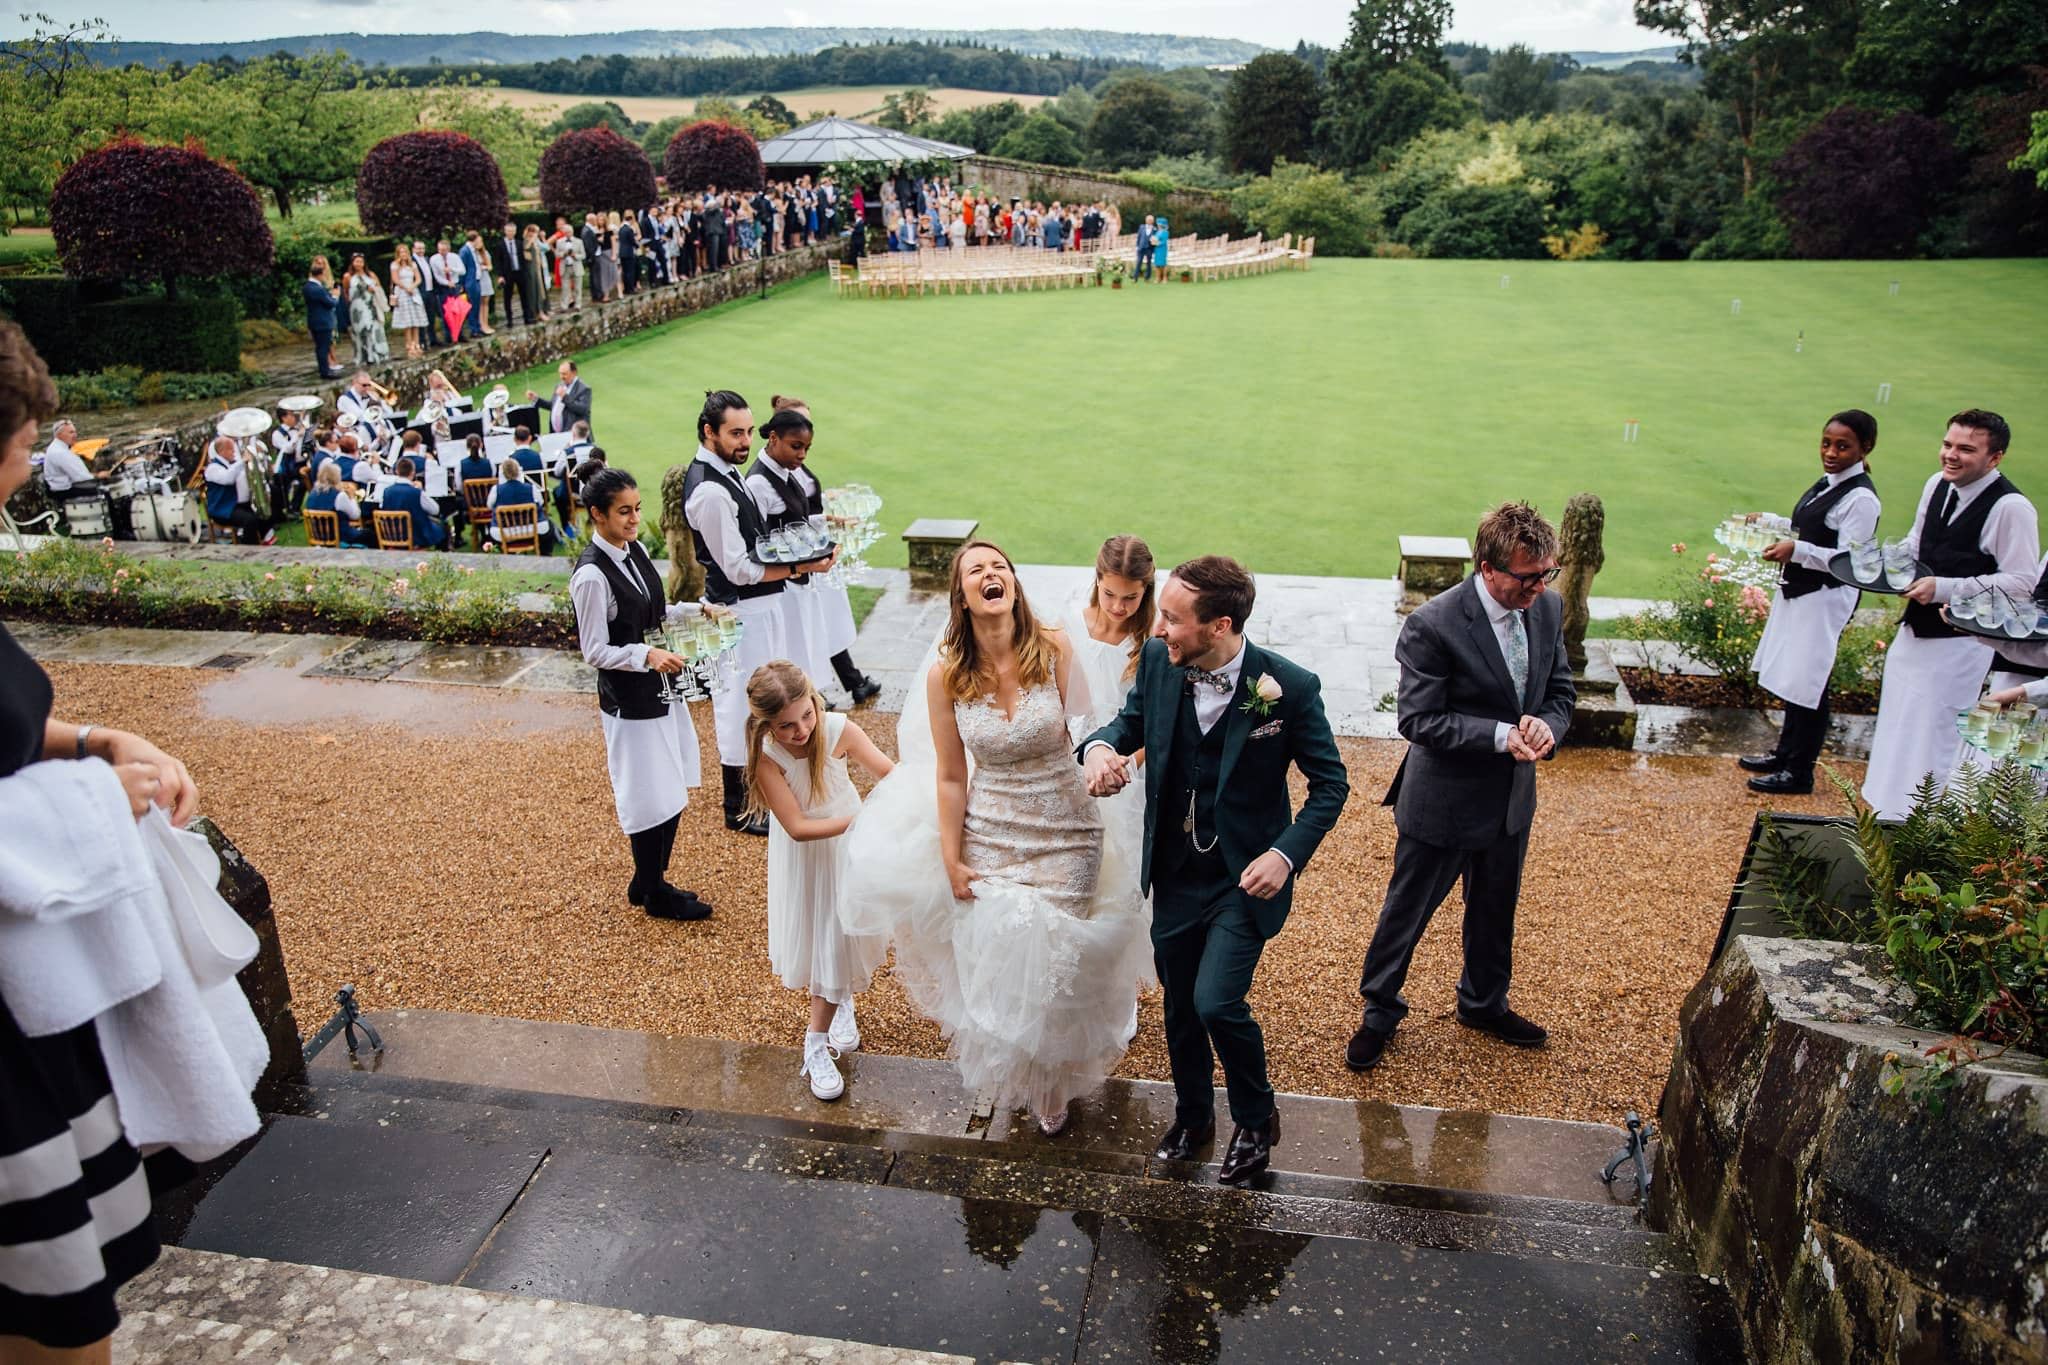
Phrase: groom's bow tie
(1201, 678)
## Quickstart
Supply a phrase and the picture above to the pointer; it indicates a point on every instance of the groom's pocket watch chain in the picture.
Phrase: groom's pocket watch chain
(1188, 828)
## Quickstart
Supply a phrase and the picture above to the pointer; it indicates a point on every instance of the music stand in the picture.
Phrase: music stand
(467, 425)
(524, 415)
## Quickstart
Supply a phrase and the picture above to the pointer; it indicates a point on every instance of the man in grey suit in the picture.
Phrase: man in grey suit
(1485, 693)
(571, 403)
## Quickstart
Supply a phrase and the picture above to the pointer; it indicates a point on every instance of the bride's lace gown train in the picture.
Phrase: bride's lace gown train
(1034, 979)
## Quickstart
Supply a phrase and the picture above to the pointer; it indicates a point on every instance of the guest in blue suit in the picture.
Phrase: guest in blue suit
(405, 496)
(320, 305)
(473, 266)
(1144, 271)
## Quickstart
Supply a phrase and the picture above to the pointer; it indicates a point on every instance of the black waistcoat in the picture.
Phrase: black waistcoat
(620, 692)
(717, 587)
(1194, 766)
(1954, 549)
(1810, 524)
(799, 503)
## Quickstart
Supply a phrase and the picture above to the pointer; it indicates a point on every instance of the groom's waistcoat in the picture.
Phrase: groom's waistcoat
(1195, 766)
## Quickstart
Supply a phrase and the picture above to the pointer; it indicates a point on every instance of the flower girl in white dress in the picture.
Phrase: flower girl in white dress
(805, 789)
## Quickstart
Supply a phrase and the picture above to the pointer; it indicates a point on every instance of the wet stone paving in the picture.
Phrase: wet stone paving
(680, 1193)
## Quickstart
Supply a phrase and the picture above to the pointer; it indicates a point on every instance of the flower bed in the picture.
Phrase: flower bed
(87, 583)
(1717, 613)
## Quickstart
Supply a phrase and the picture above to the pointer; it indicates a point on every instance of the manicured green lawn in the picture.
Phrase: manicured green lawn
(1302, 421)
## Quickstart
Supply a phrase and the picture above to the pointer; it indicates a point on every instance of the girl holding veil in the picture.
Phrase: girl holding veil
(1017, 927)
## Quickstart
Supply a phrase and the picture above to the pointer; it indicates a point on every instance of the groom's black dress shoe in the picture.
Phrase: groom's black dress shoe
(1780, 783)
(1760, 763)
(1507, 1026)
(1362, 1053)
(1184, 1142)
(1251, 1151)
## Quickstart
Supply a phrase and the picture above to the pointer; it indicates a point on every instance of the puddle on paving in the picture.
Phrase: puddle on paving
(272, 696)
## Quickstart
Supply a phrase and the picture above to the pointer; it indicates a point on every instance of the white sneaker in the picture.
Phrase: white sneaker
(820, 1069)
(845, 1032)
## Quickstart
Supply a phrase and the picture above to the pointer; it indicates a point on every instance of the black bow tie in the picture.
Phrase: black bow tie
(1202, 678)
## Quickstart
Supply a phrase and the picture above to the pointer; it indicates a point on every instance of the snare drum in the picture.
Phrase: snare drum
(88, 516)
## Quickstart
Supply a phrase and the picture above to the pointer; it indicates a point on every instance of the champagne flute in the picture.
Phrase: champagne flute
(2000, 736)
(657, 638)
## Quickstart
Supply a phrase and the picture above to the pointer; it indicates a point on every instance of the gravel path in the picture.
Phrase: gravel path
(455, 848)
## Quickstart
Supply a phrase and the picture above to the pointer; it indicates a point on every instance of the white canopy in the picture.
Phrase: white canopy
(837, 139)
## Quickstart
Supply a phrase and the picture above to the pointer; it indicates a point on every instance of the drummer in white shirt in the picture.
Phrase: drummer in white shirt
(1973, 529)
(64, 473)
(1809, 608)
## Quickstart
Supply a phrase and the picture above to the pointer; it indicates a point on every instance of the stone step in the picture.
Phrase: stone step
(918, 1246)
(201, 1307)
(1350, 1148)
(968, 1168)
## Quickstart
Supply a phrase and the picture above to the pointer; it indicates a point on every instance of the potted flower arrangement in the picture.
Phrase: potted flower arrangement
(1113, 270)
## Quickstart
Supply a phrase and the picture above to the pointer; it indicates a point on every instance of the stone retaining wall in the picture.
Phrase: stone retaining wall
(1852, 1224)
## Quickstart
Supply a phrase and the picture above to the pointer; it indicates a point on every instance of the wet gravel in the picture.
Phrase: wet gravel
(455, 848)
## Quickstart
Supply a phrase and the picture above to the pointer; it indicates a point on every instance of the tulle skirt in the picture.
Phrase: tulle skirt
(1034, 985)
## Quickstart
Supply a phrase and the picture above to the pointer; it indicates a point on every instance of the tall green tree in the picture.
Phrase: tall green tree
(297, 124)
(1365, 125)
(1269, 112)
(1386, 33)
(905, 109)
(1041, 138)
(1766, 59)
(593, 114)
(1517, 85)
(1142, 117)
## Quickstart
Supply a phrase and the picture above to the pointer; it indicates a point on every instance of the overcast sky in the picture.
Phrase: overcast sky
(1557, 25)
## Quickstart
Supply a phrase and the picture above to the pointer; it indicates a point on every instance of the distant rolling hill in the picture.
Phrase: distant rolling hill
(455, 49)
(1616, 60)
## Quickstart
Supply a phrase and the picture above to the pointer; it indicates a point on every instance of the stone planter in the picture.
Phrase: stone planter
(1851, 1223)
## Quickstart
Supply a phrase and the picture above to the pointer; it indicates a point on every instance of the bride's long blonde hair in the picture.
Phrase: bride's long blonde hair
(966, 674)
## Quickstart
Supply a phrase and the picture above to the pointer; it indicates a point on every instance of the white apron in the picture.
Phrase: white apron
(837, 609)
(803, 615)
(1797, 651)
(765, 638)
(653, 765)
(1926, 682)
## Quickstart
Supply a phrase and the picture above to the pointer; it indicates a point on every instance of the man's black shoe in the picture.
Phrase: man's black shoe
(1184, 1141)
(1362, 1053)
(1251, 1151)
(740, 824)
(866, 690)
(1781, 783)
(1760, 763)
(1509, 1027)
(673, 903)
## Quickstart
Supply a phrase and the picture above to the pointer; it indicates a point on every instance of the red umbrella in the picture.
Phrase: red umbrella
(453, 310)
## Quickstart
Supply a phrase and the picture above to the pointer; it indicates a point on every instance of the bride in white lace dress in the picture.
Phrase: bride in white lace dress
(982, 856)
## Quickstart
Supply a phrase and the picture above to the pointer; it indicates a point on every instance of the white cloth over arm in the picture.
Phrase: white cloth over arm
(150, 958)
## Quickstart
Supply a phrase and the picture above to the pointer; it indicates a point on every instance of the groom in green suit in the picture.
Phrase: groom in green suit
(1219, 721)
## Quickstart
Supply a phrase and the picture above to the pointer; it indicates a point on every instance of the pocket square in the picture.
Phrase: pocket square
(1268, 730)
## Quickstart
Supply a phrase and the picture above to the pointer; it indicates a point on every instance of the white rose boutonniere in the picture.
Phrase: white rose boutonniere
(1265, 692)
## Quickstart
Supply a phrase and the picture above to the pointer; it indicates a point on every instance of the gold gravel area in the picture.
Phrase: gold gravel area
(455, 848)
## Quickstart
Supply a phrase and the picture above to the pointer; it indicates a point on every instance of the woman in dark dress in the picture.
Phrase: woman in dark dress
(74, 1202)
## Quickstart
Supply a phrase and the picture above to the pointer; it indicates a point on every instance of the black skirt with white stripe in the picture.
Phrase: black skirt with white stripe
(74, 1201)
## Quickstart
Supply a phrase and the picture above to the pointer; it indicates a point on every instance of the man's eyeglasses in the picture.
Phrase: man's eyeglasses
(1540, 578)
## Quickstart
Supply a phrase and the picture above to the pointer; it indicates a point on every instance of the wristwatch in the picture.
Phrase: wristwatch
(83, 731)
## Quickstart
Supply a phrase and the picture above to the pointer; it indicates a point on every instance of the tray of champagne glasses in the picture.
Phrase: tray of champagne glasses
(1874, 567)
(708, 639)
(1994, 615)
(2018, 731)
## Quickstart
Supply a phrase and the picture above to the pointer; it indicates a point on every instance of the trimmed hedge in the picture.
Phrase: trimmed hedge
(193, 333)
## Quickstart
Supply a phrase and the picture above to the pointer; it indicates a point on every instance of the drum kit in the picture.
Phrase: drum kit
(143, 497)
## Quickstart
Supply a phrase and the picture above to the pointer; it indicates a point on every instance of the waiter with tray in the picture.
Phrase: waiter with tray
(724, 524)
(1972, 530)
(1810, 606)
